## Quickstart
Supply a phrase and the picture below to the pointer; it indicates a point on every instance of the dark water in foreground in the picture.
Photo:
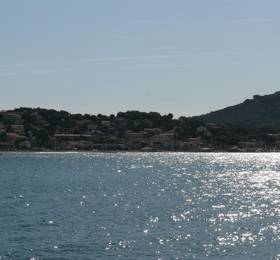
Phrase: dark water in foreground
(139, 206)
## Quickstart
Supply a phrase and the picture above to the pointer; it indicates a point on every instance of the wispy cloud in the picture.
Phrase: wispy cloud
(32, 72)
(129, 37)
(46, 67)
(20, 65)
(163, 56)
(251, 20)
(142, 21)
(171, 67)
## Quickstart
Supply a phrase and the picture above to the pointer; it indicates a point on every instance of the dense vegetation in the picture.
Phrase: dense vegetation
(255, 122)
(259, 112)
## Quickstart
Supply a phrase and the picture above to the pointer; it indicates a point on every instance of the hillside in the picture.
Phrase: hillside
(38, 128)
(261, 111)
(253, 125)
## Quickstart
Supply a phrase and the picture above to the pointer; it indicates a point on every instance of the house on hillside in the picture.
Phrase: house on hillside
(11, 117)
(166, 141)
(136, 140)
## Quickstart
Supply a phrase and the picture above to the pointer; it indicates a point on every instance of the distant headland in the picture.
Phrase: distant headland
(251, 126)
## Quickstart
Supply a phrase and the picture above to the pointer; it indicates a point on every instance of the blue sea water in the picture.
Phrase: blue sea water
(139, 206)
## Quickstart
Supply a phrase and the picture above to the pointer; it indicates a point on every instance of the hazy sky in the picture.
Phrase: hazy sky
(103, 56)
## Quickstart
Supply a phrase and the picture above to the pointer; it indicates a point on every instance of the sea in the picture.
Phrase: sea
(140, 206)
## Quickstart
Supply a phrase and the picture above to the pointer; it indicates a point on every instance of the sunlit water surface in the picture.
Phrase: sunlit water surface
(139, 206)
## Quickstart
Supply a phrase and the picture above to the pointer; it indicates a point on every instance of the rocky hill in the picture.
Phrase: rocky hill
(258, 112)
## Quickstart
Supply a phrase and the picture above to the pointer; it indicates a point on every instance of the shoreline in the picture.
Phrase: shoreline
(127, 151)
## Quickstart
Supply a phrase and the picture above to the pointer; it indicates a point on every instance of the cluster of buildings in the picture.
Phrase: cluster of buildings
(147, 140)
(17, 133)
(12, 133)
(15, 136)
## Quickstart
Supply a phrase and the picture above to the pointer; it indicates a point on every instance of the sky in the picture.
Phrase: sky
(185, 57)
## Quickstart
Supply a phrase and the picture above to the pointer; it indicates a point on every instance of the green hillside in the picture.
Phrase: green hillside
(261, 111)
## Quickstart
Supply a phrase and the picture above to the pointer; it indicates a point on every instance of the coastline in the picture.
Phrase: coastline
(129, 151)
(42, 130)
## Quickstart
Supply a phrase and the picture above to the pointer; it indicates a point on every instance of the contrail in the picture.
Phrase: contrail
(111, 59)
(151, 57)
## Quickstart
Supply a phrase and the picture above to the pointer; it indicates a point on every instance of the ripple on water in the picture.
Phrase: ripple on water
(140, 205)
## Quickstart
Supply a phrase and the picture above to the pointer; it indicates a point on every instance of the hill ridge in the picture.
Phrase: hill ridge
(254, 113)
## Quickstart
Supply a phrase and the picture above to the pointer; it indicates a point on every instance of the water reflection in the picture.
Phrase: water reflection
(140, 205)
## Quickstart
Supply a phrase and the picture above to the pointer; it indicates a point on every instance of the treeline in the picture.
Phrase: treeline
(52, 121)
(41, 128)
